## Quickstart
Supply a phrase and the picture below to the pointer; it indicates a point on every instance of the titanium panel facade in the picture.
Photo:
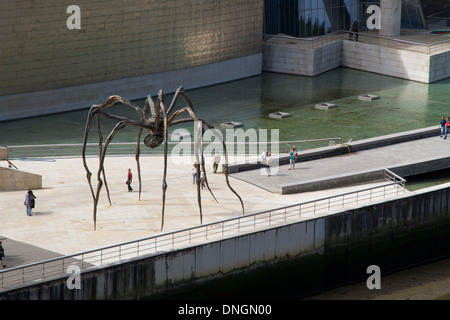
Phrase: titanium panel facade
(119, 39)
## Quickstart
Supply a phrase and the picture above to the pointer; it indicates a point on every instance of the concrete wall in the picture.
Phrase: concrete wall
(3, 153)
(84, 96)
(300, 258)
(353, 146)
(290, 57)
(390, 16)
(388, 61)
(282, 57)
(12, 179)
(439, 66)
(118, 40)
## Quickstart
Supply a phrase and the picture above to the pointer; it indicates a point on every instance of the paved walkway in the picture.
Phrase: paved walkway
(395, 155)
(62, 223)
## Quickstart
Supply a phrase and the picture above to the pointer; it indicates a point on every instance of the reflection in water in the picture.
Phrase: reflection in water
(403, 105)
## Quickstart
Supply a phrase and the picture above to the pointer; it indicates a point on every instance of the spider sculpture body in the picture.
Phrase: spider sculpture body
(157, 124)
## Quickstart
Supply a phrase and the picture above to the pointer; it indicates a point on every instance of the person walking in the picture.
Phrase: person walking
(447, 125)
(30, 202)
(268, 164)
(356, 30)
(194, 173)
(350, 32)
(443, 122)
(2, 254)
(129, 180)
(263, 157)
(292, 155)
(202, 178)
(216, 162)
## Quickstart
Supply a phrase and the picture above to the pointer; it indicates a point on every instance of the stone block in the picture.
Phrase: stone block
(325, 106)
(368, 97)
(231, 125)
(279, 115)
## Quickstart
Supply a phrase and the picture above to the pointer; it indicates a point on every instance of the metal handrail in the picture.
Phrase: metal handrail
(71, 149)
(167, 241)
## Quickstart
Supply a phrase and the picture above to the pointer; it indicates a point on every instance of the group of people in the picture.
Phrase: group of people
(353, 31)
(216, 161)
(445, 127)
(194, 175)
(266, 161)
(30, 202)
(202, 179)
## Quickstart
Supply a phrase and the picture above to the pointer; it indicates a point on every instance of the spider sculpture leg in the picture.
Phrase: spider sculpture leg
(161, 111)
(118, 126)
(190, 109)
(97, 110)
(148, 105)
(164, 184)
(193, 117)
(93, 111)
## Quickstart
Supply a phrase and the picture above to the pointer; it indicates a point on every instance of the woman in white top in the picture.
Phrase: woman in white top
(268, 163)
(194, 173)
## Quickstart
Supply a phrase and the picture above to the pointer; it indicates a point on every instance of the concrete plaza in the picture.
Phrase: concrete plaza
(62, 223)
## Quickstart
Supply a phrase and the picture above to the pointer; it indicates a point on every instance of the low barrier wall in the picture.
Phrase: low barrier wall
(349, 147)
(12, 180)
(3, 153)
(291, 260)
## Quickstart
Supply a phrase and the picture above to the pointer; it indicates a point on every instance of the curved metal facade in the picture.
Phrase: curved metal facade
(119, 39)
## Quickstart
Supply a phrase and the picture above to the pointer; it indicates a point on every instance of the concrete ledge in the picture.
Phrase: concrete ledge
(332, 182)
(3, 153)
(13, 180)
(354, 146)
(394, 138)
(345, 180)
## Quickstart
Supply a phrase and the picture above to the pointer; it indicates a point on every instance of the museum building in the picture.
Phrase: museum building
(57, 57)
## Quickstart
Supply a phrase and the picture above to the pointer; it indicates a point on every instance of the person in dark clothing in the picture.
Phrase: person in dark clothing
(129, 180)
(2, 254)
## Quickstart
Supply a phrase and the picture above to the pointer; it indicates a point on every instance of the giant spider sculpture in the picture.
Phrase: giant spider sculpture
(157, 125)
